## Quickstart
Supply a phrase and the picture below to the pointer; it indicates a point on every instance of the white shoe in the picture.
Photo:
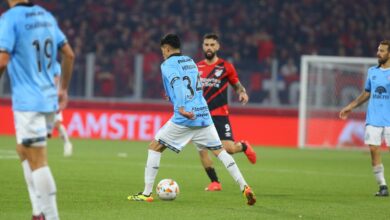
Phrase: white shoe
(68, 149)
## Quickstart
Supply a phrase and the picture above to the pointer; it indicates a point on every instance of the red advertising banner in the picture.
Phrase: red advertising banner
(142, 125)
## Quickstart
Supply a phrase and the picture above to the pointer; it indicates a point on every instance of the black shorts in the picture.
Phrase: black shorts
(224, 129)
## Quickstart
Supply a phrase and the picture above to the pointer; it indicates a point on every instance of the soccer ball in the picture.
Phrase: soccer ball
(167, 189)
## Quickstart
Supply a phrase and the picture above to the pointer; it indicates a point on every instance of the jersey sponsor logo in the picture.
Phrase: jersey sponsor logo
(184, 60)
(38, 25)
(206, 82)
(31, 14)
(380, 90)
(188, 67)
(379, 93)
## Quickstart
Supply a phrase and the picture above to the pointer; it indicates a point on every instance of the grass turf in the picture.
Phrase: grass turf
(289, 184)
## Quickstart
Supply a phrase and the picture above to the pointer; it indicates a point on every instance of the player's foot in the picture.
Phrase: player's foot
(140, 197)
(38, 217)
(68, 149)
(214, 186)
(249, 195)
(249, 152)
(383, 191)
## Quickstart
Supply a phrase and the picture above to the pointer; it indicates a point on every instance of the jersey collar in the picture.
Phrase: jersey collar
(174, 54)
(27, 4)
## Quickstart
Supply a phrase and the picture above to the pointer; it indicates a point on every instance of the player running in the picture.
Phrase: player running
(216, 74)
(191, 120)
(58, 118)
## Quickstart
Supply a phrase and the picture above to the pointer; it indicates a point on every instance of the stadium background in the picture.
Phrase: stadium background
(260, 38)
(264, 40)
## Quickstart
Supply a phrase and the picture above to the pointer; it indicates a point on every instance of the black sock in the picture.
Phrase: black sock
(212, 174)
(244, 147)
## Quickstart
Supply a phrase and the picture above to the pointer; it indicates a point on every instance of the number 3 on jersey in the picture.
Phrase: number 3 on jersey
(198, 86)
(44, 53)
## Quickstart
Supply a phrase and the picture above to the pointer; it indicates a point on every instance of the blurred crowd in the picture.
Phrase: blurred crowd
(253, 34)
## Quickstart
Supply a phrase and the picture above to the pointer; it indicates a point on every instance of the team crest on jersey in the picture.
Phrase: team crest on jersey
(218, 73)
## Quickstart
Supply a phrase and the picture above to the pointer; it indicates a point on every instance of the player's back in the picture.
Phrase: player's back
(31, 36)
(185, 68)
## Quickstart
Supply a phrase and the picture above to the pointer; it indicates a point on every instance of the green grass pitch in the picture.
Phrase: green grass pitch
(289, 184)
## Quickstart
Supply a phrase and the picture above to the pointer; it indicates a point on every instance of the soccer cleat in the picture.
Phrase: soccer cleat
(249, 152)
(38, 217)
(140, 198)
(214, 186)
(68, 149)
(249, 195)
(383, 191)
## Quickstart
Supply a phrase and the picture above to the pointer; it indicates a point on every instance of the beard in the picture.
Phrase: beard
(209, 55)
(383, 60)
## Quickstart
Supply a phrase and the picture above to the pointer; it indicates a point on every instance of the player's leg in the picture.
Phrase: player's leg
(31, 132)
(208, 137)
(170, 136)
(373, 138)
(225, 133)
(243, 146)
(207, 163)
(27, 172)
(68, 147)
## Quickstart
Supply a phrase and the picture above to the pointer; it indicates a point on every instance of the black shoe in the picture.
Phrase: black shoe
(383, 191)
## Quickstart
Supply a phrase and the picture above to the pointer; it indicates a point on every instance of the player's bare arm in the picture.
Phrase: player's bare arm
(241, 91)
(189, 115)
(4, 58)
(362, 98)
(66, 69)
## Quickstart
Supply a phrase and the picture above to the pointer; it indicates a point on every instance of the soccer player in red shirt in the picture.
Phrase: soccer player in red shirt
(216, 74)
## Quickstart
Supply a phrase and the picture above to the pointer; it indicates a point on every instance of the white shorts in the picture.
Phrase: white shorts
(32, 127)
(58, 117)
(375, 135)
(175, 137)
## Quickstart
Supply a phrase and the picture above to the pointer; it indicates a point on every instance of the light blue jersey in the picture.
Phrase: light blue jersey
(57, 69)
(31, 36)
(378, 85)
(183, 87)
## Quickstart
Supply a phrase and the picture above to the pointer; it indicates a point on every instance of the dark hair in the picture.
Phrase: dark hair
(171, 40)
(386, 42)
(213, 36)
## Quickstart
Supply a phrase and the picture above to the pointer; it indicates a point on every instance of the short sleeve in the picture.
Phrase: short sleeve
(7, 34)
(170, 73)
(60, 36)
(367, 85)
(232, 74)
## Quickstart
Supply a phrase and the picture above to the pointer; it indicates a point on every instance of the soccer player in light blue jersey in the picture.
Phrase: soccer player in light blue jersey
(377, 91)
(191, 120)
(58, 118)
(29, 41)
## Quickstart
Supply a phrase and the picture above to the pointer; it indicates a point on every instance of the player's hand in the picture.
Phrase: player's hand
(166, 97)
(189, 115)
(243, 97)
(62, 99)
(344, 113)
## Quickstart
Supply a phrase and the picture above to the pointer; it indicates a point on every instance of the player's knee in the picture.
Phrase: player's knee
(156, 146)
(21, 152)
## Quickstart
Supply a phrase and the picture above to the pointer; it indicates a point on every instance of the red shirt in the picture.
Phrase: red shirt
(215, 79)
